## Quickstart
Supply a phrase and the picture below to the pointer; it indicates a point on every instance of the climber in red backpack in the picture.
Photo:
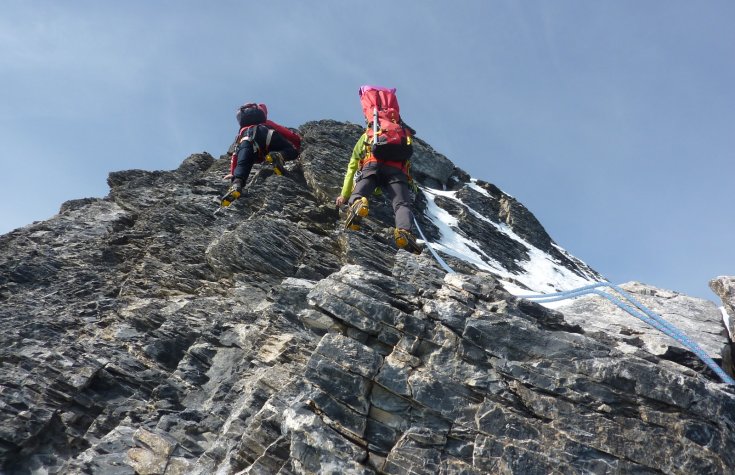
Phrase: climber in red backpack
(258, 140)
(380, 158)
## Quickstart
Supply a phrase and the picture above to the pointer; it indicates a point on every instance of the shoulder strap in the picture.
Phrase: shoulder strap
(247, 133)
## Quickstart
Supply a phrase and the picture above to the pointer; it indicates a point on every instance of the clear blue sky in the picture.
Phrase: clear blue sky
(612, 121)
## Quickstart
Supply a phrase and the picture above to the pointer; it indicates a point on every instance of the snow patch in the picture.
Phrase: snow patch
(542, 273)
(473, 185)
(726, 319)
(452, 242)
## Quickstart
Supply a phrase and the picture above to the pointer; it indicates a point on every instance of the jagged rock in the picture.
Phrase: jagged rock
(724, 287)
(142, 333)
(697, 318)
(152, 457)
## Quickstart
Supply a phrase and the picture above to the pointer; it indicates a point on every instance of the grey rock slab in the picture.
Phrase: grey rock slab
(349, 354)
(696, 318)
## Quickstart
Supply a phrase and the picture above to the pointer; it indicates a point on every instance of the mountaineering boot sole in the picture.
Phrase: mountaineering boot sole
(358, 210)
(232, 194)
(277, 161)
(405, 240)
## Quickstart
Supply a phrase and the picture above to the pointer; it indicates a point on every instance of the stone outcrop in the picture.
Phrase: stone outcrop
(724, 287)
(144, 334)
(698, 319)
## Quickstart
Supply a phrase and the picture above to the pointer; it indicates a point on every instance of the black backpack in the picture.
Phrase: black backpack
(251, 114)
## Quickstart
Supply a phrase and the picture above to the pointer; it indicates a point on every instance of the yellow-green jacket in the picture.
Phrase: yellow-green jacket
(358, 153)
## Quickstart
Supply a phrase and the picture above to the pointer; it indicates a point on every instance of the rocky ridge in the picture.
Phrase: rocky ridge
(143, 334)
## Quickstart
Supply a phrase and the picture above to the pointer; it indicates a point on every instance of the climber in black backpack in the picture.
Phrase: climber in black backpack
(380, 159)
(258, 140)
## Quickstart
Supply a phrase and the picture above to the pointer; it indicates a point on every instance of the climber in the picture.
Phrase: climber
(258, 140)
(380, 159)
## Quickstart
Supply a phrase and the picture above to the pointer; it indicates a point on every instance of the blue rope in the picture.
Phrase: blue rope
(433, 252)
(588, 289)
(647, 316)
(566, 292)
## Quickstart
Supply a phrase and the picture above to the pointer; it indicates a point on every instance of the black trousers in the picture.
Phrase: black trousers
(247, 154)
(394, 184)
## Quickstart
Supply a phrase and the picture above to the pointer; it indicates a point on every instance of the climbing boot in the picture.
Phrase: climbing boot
(276, 159)
(232, 194)
(405, 240)
(358, 210)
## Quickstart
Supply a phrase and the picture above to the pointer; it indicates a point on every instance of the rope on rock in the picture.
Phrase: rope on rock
(642, 312)
(433, 252)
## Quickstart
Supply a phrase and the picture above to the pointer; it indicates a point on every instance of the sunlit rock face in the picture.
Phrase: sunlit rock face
(724, 287)
(143, 333)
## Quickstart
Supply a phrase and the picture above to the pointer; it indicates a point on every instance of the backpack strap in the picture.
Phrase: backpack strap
(247, 134)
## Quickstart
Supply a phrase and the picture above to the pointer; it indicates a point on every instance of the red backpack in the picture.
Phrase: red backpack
(393, 139)
(292, 137)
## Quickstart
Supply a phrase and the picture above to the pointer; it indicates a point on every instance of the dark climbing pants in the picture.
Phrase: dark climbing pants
(394, 184)
(247, 154)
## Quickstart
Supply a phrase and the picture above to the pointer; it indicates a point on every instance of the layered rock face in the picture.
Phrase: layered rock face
(698, 319)
(144, 334)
